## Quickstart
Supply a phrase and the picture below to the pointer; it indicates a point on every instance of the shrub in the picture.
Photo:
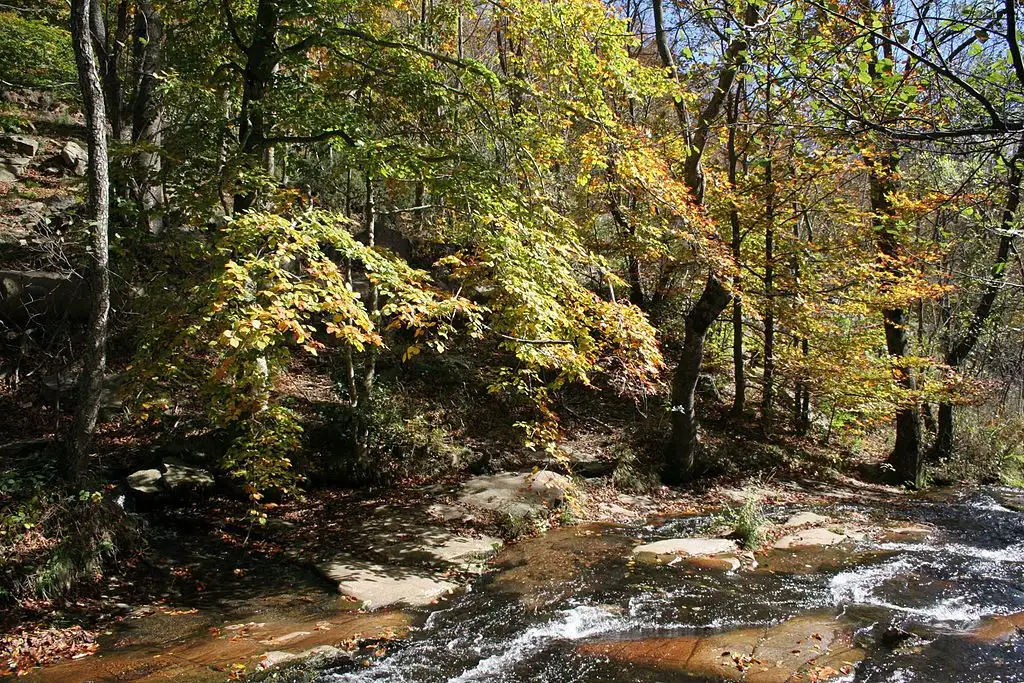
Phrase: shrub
(747, 521)
(35, 54)
(53, 542)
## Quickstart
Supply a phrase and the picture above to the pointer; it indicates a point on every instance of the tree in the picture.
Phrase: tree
(715, 296)
(94, 358)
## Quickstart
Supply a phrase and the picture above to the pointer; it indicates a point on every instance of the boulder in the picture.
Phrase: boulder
(178, 478)
(18, 165)
(376, 585)
(22, 145)
(32, 294)
(518, 496)
(74, 158)
(815, 537)
(718, 554)
(146, 482)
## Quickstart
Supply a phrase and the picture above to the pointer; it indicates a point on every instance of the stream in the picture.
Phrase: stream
(919, 610)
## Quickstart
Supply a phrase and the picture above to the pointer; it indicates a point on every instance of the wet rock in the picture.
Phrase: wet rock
(810, 647)
(999, 628)
(906, 533)
(277, 657)
(542, 569)
(377, 585)
(806, 518)
(145, 482)
(74, 157)
(515, 495)
(718, 554)
(813, 537)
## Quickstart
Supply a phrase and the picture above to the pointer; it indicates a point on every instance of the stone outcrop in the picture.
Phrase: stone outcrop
(705, 553)
(814, 647)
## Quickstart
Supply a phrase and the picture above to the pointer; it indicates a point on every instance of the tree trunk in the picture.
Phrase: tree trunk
(682, 453)
(714, 299)
(94, 358)
(958, 352)
(768, 378)
(262, 57)
(147, 119)
(906, 454)
(736, 243)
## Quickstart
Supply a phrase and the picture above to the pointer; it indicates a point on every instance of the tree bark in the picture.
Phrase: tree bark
(147, 119)
(768, 378)
(94, 358)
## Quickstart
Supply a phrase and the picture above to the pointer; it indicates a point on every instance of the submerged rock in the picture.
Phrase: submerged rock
(810, 647)
(999, 628)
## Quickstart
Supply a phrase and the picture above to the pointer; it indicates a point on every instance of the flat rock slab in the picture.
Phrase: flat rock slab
(377, 585)
(810, 647)
(805, 519)
(412, 536)
(815, 537)
(517, 495)
(717, 554)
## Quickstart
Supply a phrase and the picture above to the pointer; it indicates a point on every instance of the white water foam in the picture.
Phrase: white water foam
(579, 622)
(857, 586)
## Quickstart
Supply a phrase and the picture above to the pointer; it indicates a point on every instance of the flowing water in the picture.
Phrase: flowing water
(914, 605)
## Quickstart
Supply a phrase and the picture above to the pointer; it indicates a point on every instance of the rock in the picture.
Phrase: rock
(179, 477)
(815, 537)
(518, 496)
(999, 628)
(6, 176)
(278, 657)
(461, 551)
(146, 482)
(64, 203)
(707, 553)
(451, 513)
(22, 145)
(377, 586)
(74, 158)
(810, 647)
(906, 533)
(719, 554)
(31, 294)
(18, 165)
(806, 518)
